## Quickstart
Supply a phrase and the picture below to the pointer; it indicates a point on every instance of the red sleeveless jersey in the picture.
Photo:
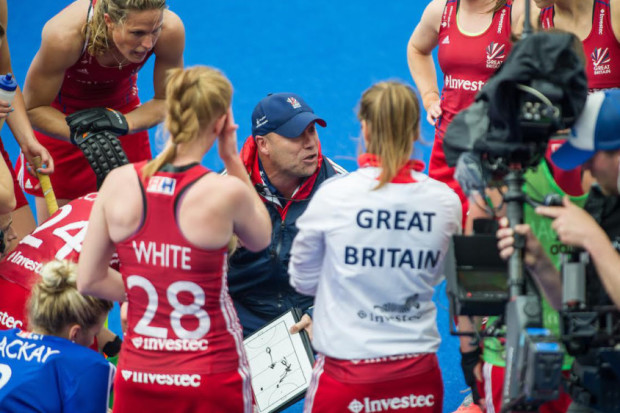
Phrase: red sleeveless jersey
(601, 47)
(60, 237)
(468, 61)
(181, 320)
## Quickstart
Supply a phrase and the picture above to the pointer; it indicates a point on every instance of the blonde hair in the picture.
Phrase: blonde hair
(97, 31)
(392, 114)
(195, 97)
(55, 302)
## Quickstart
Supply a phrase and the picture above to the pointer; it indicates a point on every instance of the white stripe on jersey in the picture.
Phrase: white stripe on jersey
(317, 372)
(487, 369)
(230, 316)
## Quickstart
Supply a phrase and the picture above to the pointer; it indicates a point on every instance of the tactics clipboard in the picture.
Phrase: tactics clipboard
(280, 363)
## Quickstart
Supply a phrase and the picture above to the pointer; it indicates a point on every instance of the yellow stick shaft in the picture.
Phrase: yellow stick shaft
(46, 187)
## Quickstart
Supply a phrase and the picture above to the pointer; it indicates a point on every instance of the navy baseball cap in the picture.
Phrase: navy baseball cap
(597, 129)
(283, 113)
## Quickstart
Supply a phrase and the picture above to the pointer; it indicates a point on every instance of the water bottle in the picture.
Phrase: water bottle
(8, 86)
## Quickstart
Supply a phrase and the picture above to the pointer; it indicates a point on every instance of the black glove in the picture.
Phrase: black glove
(103, 151)
(469, 361)
(95, 120)
(469, 174)
(112, 348)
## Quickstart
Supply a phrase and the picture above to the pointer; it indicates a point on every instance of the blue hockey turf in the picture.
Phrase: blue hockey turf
(326, 51)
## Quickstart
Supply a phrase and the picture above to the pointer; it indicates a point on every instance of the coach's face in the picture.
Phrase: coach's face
(604, 168)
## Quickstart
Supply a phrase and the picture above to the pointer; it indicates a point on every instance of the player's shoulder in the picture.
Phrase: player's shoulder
(435, 8)
(172, 34)
(63, 32)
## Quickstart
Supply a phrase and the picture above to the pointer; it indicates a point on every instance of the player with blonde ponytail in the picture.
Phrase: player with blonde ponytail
(51, 369)
(170, 221)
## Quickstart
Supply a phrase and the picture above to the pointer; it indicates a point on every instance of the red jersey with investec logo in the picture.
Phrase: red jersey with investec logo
(467, 61)
(59, 237)
(181, 318)
(601, 47)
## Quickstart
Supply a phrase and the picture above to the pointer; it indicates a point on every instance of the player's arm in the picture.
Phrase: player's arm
(7, 194)
(423, 40)
(18, 120)
(61, 46)
(308, 249)
(518, 16)
(168, 54)
(251, 221)
(615, 17)
(95, 277)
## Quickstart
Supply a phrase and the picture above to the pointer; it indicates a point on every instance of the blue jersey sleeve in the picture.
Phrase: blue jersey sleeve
(88, 390)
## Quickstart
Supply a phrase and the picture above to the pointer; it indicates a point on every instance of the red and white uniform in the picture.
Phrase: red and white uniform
(88, 84)
(467, 62)
(372, 258)
(601, 47)
(20, 198)
(60, 237)
(183, 351)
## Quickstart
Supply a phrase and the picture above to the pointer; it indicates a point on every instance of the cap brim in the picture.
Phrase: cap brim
(568, 157)
(298, 123)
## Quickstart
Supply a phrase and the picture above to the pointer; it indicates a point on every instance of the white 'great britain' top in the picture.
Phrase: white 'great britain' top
(373, 258)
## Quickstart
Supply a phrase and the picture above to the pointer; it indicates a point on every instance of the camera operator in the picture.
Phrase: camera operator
(595, 144)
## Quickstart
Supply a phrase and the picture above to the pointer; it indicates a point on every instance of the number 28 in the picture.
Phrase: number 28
(179, 310)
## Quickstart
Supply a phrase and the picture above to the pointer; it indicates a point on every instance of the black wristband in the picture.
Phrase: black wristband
(112, 348)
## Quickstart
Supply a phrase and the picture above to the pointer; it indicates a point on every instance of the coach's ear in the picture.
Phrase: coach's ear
(74, 332)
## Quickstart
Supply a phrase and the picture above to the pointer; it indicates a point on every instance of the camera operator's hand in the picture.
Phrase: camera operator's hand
(433, 112)
(573, 225)
(534, 257)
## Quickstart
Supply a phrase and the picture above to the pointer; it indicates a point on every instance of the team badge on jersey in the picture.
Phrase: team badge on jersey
(161, 185)
(496, 53)
(601, 61)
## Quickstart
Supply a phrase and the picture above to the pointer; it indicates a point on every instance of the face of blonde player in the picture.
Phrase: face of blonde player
(86, 336)
(136, 36)
(604, 168)
(296, 157)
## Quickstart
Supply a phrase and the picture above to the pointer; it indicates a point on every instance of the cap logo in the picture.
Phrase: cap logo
(294, 103)
(261, 121)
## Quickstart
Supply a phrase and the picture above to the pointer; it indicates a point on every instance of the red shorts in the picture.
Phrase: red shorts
(409, 384)
(491, 391)
(13, 298)
(181, 393)
(73, 176)
(20, 198)
(438, 168)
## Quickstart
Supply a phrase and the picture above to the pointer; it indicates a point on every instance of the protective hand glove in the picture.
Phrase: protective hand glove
(469, 174)
(96, 120)
(103, 151)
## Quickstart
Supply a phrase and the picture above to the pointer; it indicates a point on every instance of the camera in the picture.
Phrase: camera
(540, 89)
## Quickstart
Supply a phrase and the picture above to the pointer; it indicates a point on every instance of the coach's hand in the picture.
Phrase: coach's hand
(96, 120)
(103, 151)
(304, 324)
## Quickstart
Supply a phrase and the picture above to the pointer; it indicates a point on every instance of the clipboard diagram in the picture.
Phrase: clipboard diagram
(280, 363)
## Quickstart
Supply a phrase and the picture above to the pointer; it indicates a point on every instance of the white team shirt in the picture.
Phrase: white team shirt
(373, 258)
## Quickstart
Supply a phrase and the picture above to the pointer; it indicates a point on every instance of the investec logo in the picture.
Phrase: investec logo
(394, 403)
(169, 344)
(179, 380)
(455, 83)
